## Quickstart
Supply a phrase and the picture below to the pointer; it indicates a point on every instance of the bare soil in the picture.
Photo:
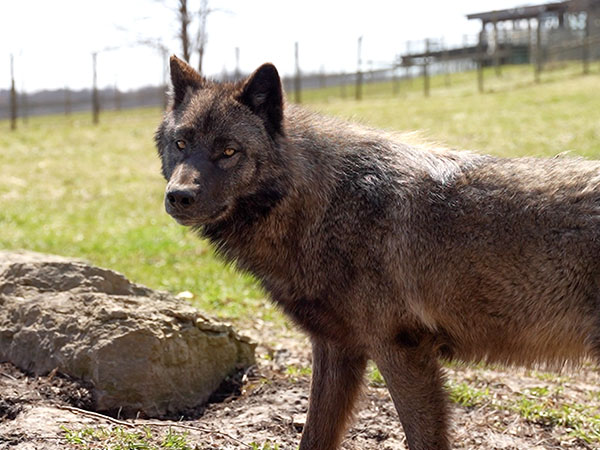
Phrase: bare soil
(268, 404)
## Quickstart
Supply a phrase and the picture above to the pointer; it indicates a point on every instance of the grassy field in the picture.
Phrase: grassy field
(514, 117)
(95, 192)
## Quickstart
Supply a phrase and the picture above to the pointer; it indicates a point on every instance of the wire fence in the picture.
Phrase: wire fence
(421, 60)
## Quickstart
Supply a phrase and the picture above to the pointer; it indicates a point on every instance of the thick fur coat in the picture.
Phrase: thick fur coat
(386, 251)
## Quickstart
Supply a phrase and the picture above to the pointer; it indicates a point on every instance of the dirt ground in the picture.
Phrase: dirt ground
(270, 406)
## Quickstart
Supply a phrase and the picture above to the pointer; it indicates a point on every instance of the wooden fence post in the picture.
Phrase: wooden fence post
(480, 58)
(585, 53)
(24, 105)
(13, 96)
(95, 99)
(359, 75)
(67, 101)
(408, 66)
(322, 77)
(425, 69)
(297, 80)
(117, 97)
(497, 50)
(530, 41)
(165, 76)
(446, 62)
(538, 50)
(237, 74)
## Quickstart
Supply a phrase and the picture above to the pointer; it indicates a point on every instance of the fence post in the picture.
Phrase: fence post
(67, 101)
(425, 69)
(13, 96)
(322, 77)
(359, 75)
(496, 50)
(237, 74)
(538, 50)
(165, 77)
(446, 59)
(408, 66)
(95, 100)
(586, 44)
(297, 81)
(530, 41)
(117, 97)
(464, 63)
(24, 105)
(480, 58)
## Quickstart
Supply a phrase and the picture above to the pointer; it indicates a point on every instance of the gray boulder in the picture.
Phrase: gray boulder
(142, 350)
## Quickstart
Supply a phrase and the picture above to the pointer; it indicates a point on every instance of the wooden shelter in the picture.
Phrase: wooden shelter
(567, 24)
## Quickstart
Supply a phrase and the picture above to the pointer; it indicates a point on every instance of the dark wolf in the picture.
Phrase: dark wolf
(386, 251)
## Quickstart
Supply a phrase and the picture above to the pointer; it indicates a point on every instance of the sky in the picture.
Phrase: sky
(52, 41)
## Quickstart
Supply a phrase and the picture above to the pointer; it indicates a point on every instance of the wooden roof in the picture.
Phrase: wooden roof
(531, 12)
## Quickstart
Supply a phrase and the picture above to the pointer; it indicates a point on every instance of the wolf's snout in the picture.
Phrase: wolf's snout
(181, 198)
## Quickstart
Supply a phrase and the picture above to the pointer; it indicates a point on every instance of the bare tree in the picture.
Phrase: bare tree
(184, 20)
(187, 18)
(201, 35)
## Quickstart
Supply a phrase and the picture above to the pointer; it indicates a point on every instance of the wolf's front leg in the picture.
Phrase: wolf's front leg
(336, 381)
(411, 371)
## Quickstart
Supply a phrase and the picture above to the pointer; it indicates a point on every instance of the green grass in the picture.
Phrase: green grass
(374, 376)
(466, 395)
(268, 445)
(95, 192)
(294, 372)
(119, 438)
(537, 405)
(70, 188)
(514, 117)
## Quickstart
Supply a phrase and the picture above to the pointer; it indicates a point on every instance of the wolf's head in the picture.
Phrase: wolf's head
(218, 143)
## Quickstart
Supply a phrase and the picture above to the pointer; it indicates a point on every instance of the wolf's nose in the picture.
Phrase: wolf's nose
(181, 198)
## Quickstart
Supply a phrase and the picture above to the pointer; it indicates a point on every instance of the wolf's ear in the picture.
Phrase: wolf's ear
(262, 93)
(183, 78)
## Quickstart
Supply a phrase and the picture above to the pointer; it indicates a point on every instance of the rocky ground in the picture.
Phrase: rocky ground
(493, 409)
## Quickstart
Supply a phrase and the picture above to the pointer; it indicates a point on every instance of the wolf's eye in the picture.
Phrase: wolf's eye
(229, 151)
(180, 143)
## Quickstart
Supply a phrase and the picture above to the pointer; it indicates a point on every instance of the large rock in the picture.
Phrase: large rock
(143, 351)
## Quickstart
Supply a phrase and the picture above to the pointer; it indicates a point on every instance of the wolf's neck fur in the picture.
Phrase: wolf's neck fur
(319, 160)
(256, 235)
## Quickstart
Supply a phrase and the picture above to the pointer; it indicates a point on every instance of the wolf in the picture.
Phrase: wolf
(402, 254)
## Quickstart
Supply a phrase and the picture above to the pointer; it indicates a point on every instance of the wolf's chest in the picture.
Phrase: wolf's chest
(319, 318)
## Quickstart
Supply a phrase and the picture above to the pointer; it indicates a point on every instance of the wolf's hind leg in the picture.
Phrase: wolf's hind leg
(411, 371)
(336, 381)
